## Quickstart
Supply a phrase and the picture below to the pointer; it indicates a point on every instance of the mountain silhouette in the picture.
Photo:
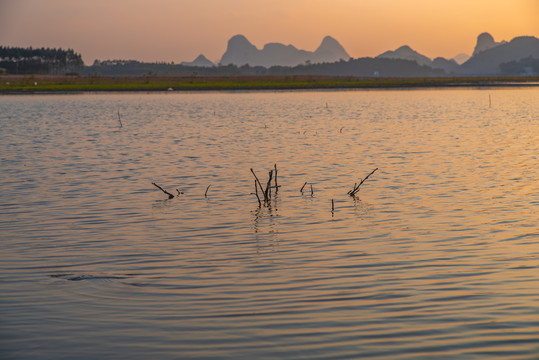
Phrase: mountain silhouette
(241, 52)
(484, 42)
(520, 56)
(329, 51)
(461, 58)
(487, 62)
(449, 66)
(406, 53)
(200, 61)
(487, 57)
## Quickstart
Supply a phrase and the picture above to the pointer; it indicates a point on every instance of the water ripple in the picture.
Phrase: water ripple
(435, 257)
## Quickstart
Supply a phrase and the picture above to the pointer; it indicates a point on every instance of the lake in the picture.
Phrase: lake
(437, 255)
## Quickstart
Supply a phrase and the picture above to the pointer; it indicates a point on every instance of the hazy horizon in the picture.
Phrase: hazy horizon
(166, 30)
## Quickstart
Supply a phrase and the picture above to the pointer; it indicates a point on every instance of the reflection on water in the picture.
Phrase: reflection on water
(435, 256)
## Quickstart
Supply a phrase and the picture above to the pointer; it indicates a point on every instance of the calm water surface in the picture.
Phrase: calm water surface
(436, 257)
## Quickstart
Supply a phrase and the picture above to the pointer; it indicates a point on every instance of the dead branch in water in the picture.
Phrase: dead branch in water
(120, 119)
(354, 191)
(206, 193)
(267, 192)
(256, 193)
(259, 184)
(170, 196)
(301, 190)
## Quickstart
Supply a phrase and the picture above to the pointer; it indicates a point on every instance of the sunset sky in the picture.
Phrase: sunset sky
(179, 30)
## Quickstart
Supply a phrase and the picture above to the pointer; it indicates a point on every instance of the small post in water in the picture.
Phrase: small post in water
(276, 185)
(120, 119)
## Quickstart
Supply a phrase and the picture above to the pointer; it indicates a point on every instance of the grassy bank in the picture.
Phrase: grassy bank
(50, 84)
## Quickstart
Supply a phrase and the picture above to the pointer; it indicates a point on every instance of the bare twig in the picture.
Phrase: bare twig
(170, 196)
(267, 193)
(206, 193)
(312, 192)
(120, 119)
(354, 191)
(259, 184)
(301, 190)
(179, 192)
(332, 205)
(258, 197)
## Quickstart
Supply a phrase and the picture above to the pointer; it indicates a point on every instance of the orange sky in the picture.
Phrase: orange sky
(179, 30)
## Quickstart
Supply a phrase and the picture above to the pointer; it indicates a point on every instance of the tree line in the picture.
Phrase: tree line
(18, 60)
(363, 67)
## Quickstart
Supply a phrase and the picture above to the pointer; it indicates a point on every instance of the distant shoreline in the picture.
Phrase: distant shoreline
(51, 84)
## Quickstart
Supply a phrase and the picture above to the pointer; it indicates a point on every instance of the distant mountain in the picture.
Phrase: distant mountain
(241, 52)
(461, 58)
(518, 57)
(487, 62)
(329, 51)
(406, 53)
(200, 61)
(487, 57)
(449, 66)
(484, 42)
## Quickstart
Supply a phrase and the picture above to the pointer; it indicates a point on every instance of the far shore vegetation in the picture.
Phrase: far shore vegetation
(46, 70)
(28, 84)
